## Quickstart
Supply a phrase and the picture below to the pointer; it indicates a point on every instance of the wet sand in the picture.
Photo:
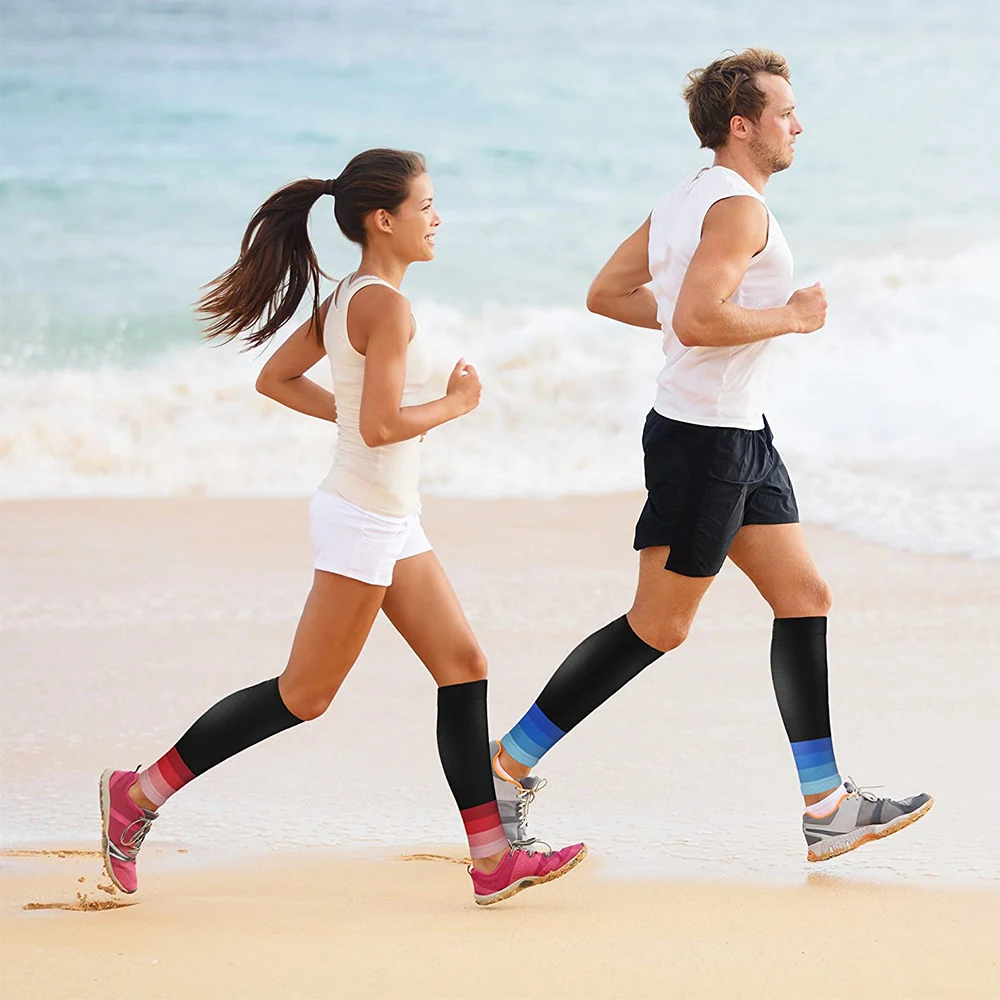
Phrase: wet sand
(309, 927)
(123, 620)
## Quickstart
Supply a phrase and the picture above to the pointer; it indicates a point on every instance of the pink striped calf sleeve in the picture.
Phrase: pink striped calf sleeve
(484, 830)
(168, 775)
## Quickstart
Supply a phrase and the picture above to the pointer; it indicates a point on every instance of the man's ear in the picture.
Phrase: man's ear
(739, 127)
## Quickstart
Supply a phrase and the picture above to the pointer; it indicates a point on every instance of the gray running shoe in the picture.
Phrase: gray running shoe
(514, 799)
(859, 818)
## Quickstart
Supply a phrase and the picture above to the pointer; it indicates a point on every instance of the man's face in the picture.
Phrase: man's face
(772, 139)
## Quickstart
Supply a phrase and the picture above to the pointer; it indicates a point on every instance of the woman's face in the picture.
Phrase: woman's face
(415, 221)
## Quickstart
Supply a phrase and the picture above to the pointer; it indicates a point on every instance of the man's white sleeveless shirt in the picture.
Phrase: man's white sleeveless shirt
(712, 386)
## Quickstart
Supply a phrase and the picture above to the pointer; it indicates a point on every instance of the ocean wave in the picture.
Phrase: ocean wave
(887, 418)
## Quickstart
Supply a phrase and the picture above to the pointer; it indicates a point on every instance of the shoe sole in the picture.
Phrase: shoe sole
(105, 823)
(874, 833)
(526, 883)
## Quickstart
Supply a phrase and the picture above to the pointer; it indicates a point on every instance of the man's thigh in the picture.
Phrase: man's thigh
(665, 602)
(777, 560)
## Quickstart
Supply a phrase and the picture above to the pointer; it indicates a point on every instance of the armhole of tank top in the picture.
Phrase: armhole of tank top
(332, 308)
(375, 280)
(336, 292)
(741, 194)
(767, 243)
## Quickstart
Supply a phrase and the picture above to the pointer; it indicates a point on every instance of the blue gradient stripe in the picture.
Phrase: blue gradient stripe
(808, 760)
(819, 787)
(827, 770)
(532, 737)
(816, 764)
(824, 746)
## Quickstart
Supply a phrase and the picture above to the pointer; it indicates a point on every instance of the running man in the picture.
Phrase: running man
(711, 269)
(371, 552)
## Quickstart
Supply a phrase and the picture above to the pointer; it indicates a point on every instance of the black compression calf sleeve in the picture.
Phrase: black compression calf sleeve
(601, 665)
(799, 674)
(238, 721)
(463, 744)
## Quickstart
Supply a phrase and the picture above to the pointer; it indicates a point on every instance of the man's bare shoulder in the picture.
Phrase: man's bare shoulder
(739, 221)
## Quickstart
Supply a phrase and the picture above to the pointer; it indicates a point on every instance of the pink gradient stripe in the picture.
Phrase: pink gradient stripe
(168, 775)
(486, 845)
(484, 830)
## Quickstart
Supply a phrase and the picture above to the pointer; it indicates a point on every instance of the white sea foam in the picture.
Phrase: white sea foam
(888, 419)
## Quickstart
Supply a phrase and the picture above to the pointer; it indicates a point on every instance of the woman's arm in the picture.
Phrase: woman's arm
(380, 325)
(283, 377)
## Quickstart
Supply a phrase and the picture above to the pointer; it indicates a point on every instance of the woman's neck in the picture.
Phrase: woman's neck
(388, 268)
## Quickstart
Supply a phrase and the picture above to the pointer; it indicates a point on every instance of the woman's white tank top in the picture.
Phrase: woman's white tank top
(714, 386)
(384, 480)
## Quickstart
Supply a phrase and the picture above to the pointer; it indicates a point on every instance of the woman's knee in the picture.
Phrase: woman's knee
(472, 665)
(304, 702)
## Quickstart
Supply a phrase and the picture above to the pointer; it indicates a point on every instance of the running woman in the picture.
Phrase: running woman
(371, 552)
(711, 269)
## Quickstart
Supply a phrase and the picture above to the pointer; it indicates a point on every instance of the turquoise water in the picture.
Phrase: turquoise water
(138, 138)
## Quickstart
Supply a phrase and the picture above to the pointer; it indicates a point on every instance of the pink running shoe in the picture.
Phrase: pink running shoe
(124, 825)
(521, 869)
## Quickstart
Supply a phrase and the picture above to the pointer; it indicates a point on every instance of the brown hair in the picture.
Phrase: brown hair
(261, 291)
(726, 88)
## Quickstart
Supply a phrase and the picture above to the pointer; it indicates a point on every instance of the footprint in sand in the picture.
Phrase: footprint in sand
(435, 857)
(82, 902)
(59, 853)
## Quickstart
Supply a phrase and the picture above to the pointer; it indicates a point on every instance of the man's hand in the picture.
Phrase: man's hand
(808, 308)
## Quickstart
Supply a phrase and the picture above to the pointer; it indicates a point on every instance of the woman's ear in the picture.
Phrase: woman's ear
(382, 220)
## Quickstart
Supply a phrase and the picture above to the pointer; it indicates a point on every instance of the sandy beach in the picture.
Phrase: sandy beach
(275, 875)
(310, 927)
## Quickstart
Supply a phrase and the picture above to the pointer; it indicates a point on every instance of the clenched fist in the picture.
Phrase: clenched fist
(808, 306)
(464, 387)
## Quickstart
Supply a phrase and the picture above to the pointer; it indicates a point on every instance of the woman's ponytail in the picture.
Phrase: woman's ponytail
(277, 264)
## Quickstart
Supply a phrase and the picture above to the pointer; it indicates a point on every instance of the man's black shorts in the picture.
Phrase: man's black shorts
(703, 485)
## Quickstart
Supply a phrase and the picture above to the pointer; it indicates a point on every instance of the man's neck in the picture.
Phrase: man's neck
(751, 173)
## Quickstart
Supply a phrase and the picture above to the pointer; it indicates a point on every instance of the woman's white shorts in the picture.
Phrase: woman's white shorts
(354, 542)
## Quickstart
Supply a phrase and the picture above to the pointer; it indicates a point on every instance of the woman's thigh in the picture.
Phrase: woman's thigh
(335, 623)
(423, 607)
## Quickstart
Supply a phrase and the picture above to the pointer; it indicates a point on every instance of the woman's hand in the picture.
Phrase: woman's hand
(464, 388)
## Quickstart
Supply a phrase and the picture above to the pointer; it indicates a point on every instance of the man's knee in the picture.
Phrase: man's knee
(823, 597)
(813, 598)
(663, 634)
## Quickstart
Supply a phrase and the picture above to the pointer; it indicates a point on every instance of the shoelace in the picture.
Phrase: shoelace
(524, 799)
(132, 844)
(864, 792)
(530, 851)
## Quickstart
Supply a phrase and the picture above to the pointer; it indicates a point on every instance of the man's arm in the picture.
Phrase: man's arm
(619, 291)
(734, 230)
